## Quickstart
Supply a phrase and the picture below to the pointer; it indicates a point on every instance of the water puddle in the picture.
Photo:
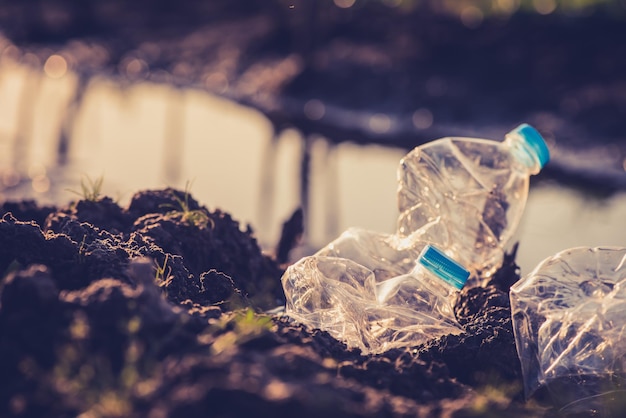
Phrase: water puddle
(152, 136)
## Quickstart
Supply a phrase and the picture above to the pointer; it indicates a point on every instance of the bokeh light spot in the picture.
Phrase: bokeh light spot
(544, 7)
(10, 178)
(506, 6)
(380, 123)
(135, 67)
(314, 109)
(31, 59)
(11, 52)
(472, 17)
(217, 82)
(41, 184)
(55, 66)
(422, 118)
(344, 4)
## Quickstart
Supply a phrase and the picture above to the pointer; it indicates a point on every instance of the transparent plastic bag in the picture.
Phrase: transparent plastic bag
(569, 319)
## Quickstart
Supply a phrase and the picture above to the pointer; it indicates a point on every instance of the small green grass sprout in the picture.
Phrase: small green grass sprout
(196, 217)
(162, 275)
(243, 326)
(90, 189)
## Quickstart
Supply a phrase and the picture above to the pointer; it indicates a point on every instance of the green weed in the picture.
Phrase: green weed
(100, 389)
(162, 275)
(90, 189)
(243, 326)
(196, 217)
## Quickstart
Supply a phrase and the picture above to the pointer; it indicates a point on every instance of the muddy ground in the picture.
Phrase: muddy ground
(157, 310)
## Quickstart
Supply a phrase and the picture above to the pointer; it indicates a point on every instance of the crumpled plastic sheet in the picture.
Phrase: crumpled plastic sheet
(569, 318)
(451, 193)
(364, 288)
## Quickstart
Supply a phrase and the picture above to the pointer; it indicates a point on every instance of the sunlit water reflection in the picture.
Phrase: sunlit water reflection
(151, 136)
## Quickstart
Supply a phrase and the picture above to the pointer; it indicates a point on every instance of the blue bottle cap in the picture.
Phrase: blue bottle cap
(443, 266)
(535, 141)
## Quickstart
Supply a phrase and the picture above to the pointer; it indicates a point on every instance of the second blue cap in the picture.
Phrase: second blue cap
(443, 266)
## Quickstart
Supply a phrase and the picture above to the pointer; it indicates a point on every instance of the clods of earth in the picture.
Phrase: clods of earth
(163, 309)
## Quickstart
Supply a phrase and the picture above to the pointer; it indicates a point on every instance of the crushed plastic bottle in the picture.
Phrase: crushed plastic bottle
(569, 319)
(386, 255)
(376, 313)
(477, 187)
(464, 195)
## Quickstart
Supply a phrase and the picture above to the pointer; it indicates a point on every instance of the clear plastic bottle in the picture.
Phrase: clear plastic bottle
(569, 320)
(346, 299)
(386, 255)
(476, 187)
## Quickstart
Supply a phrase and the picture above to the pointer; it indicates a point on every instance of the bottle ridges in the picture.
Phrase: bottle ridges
(443, 266)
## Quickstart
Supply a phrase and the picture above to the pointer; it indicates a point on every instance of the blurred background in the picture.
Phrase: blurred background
(271, 105)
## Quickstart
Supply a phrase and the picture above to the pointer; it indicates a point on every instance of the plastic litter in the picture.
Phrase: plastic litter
(347, 300)
(569, 319)
(476, 187)
(463, 195)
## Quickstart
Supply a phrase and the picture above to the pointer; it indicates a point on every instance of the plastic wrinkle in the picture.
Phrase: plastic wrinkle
(463, 195)
(569, 319)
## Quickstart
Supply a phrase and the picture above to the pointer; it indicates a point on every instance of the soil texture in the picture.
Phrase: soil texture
(163, 309)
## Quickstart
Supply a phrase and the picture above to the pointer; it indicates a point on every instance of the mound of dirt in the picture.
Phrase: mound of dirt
(157, 310)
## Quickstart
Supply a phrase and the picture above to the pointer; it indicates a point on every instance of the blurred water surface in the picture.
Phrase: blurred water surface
(230, 153)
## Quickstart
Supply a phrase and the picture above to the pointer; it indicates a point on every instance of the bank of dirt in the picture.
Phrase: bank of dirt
(157, 309)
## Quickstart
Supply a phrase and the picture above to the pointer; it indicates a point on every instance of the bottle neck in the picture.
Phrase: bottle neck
(523, 152)
(444, 286)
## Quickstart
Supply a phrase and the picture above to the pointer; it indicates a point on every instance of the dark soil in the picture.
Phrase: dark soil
(152, 311)
(157, 309)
